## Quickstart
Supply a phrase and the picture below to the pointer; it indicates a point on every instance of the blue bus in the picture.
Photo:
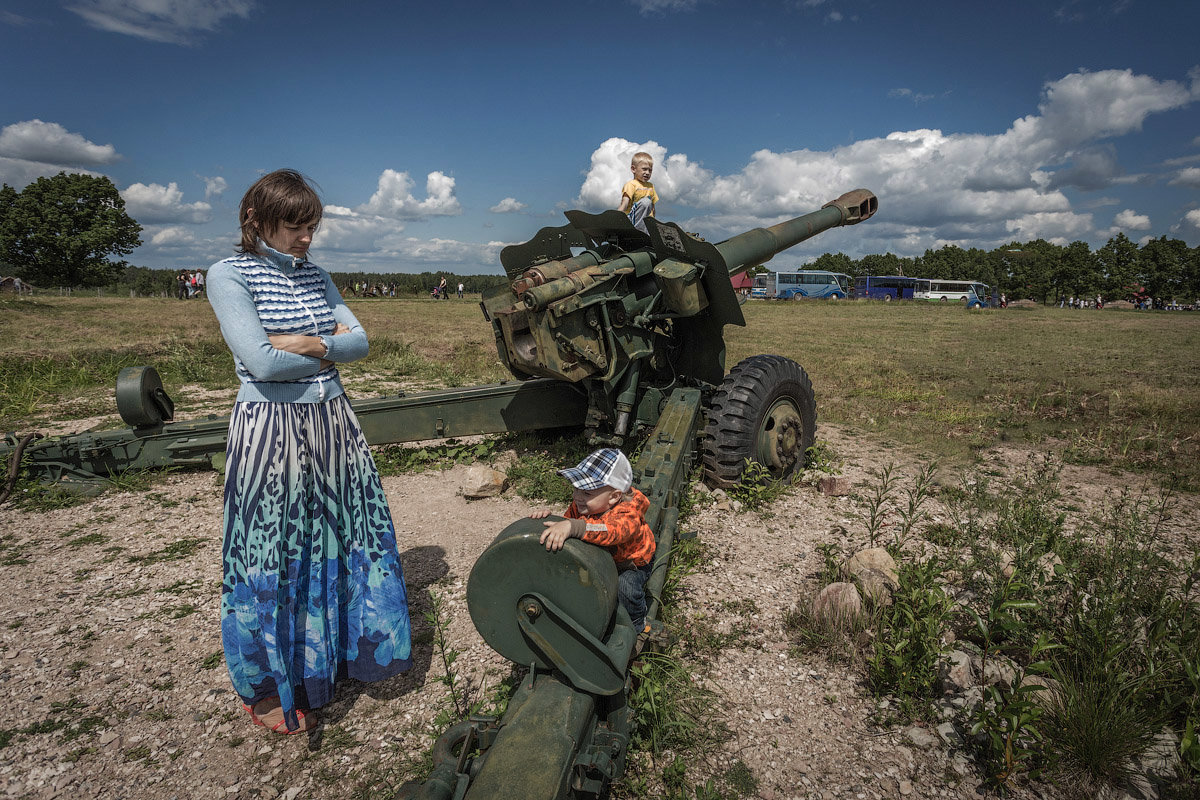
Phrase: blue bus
(890, 287)
(799, 285)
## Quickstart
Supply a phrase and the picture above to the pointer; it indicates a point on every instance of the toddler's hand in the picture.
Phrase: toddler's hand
(556, 534)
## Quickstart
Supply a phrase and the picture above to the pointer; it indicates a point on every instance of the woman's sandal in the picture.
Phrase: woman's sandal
(281, 725)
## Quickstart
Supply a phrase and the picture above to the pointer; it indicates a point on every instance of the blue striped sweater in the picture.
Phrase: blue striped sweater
(254, 296)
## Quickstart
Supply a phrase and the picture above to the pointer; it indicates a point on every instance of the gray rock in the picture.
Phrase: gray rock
(920, 736)
(837, 604)
(875, 558)
(956, 672)
(949, 734)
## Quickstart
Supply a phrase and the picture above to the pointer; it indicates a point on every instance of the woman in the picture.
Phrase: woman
(312, 585)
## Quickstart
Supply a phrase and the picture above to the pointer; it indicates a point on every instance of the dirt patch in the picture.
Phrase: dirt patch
(115, 687)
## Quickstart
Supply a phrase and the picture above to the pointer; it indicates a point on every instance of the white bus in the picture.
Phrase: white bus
(801, 284)
(970, 292)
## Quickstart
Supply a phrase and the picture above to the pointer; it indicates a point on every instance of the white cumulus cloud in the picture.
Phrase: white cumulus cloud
(171, 237)
(508, 205)
(1189, 177)
(155, 203)
(51, 143)
(1131, 220)
(975, 189)
(175, 21)
(213, 187)
(394, 198)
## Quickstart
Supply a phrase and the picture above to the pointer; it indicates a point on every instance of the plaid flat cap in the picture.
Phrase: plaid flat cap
(605, 467)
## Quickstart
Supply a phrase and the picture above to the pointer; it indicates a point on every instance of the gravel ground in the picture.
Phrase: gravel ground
(114, 687)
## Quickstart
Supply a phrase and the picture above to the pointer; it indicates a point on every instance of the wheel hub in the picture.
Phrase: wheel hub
(782, 433)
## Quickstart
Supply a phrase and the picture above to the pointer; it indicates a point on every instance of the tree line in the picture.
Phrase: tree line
(1162, 268)
(65, 230)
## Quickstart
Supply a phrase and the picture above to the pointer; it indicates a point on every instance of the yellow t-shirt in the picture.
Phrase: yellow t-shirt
(635, 190)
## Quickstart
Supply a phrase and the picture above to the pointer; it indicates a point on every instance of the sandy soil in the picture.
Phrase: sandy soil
(113, 685)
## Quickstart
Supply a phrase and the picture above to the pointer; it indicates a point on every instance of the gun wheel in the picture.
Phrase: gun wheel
(764, 411)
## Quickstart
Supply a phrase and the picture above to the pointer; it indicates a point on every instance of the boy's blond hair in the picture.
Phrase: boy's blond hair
(633, 162)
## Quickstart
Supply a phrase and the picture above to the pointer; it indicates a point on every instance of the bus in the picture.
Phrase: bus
(801, 284)
(890, 287)
(973, 293)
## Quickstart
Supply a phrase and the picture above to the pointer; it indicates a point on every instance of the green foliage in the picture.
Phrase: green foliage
(401, 460)
(540, 456)
(756, 489)
(823, 458)
(175, 551)
(1006, 731)
(879, 503)
(670, 712)
(908, 645)
(60, 231)
(457, 703)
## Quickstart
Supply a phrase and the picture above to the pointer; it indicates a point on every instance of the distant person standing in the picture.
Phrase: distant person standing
(460, 290)
(442, 289)
(638, 196)
(181, 284)
(198, 282)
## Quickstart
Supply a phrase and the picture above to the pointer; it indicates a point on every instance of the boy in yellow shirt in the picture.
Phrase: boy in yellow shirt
(638, 196)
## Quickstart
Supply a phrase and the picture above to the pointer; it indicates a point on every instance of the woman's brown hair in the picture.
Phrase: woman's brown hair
(281, 196)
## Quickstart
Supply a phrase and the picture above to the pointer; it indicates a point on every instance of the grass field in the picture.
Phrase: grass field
(1113, 388)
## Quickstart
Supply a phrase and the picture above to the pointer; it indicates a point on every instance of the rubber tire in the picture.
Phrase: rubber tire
(796, 296)
(944, 299)
(887, 298)
(835, 296)
(759, 395)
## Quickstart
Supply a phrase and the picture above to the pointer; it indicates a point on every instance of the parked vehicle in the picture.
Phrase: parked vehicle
(801, 284)
(890, 287)
(943, 291)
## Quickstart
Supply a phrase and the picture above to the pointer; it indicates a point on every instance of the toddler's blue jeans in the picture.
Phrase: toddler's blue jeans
(631, 592)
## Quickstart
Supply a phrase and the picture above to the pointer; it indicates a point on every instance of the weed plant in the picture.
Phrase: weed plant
(401, 460)
(907, 647)
(540, 455)
(1086, 629)
(756, 490)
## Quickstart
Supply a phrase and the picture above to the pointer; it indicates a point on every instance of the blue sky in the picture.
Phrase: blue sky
(439, 132)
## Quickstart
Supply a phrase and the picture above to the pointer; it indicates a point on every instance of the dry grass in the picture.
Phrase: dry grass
(1112, 387)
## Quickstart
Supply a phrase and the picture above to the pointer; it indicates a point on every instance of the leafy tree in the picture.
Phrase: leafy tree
(1027, 270)
(60, 231)
(1077, 272)
(886, 264)
(1163, 267)
(1118, 261)
(834, 262)
(949, 262)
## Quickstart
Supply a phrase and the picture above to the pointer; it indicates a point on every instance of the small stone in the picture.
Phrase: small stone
(949, 734)
(905, 787)
(832, 486)
(482, 481)
(920, 737)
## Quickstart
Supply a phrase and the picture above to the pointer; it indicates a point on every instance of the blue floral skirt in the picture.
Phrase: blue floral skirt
(313, 587)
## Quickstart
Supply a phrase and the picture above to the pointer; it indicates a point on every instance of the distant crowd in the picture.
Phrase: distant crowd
(366, 289)
(189, 284)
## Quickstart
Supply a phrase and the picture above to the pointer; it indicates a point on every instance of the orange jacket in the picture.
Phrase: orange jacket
(622, 530)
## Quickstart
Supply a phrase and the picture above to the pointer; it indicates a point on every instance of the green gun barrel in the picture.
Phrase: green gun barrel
(761, 244)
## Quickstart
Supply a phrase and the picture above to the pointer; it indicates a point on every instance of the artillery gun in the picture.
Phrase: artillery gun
(604, 327)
